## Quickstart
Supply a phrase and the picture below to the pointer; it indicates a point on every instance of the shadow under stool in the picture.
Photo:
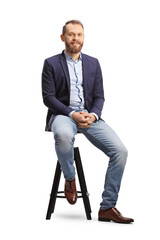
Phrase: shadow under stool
(60, 194)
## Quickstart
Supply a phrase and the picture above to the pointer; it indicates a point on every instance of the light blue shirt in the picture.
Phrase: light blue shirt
(76, 84)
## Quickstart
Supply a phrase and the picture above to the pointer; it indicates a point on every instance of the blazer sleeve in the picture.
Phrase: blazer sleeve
(49, 91)
(98, 92)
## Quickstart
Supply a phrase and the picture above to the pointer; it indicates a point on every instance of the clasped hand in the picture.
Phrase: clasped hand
(83, 119)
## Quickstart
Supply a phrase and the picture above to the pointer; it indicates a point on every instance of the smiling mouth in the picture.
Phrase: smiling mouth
(75, 43)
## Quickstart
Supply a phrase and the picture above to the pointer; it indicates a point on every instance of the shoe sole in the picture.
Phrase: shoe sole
(104, 219)
(109, 220)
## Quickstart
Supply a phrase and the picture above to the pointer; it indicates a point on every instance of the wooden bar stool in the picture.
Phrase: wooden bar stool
(60, 194)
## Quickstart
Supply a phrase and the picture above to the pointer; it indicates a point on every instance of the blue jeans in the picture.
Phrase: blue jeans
(103, 137)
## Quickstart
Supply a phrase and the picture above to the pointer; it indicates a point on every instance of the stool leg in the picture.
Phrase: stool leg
(54, 191)
(82, 183)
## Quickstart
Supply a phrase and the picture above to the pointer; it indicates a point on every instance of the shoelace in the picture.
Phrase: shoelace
(69, 185)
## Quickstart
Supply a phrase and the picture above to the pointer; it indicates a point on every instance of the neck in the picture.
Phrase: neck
(74, 56)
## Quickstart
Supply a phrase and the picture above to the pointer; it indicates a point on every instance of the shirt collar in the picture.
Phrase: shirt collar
(68, 57)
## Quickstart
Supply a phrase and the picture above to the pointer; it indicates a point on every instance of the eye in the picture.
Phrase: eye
(70, 34)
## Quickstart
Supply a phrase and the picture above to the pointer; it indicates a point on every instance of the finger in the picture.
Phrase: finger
(85, 114)
(85, 120)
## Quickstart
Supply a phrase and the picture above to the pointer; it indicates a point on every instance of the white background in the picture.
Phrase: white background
(125, 37)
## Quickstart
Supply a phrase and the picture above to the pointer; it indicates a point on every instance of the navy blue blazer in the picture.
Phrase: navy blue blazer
(56, 86)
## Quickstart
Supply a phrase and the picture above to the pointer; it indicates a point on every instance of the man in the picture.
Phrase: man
(72, 88)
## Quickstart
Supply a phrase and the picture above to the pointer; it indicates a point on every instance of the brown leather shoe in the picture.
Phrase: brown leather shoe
(113, 214)
(70, 191)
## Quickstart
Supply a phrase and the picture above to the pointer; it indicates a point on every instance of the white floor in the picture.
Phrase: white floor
(70, 222)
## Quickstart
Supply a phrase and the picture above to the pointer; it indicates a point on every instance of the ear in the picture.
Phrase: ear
(62, 37)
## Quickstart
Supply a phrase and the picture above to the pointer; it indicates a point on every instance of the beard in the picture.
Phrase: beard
(70, 47)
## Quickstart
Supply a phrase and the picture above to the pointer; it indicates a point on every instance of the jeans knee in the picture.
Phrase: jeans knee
(120, 155)
(123, 153)
(64, 140)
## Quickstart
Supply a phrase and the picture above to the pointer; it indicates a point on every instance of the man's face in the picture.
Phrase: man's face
(73, 38)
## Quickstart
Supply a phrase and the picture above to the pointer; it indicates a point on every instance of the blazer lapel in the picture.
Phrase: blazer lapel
(85, 71)
(65, 69)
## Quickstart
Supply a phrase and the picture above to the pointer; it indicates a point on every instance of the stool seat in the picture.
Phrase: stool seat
(60, 194)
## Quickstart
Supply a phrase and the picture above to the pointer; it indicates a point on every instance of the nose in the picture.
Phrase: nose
(75, 37)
